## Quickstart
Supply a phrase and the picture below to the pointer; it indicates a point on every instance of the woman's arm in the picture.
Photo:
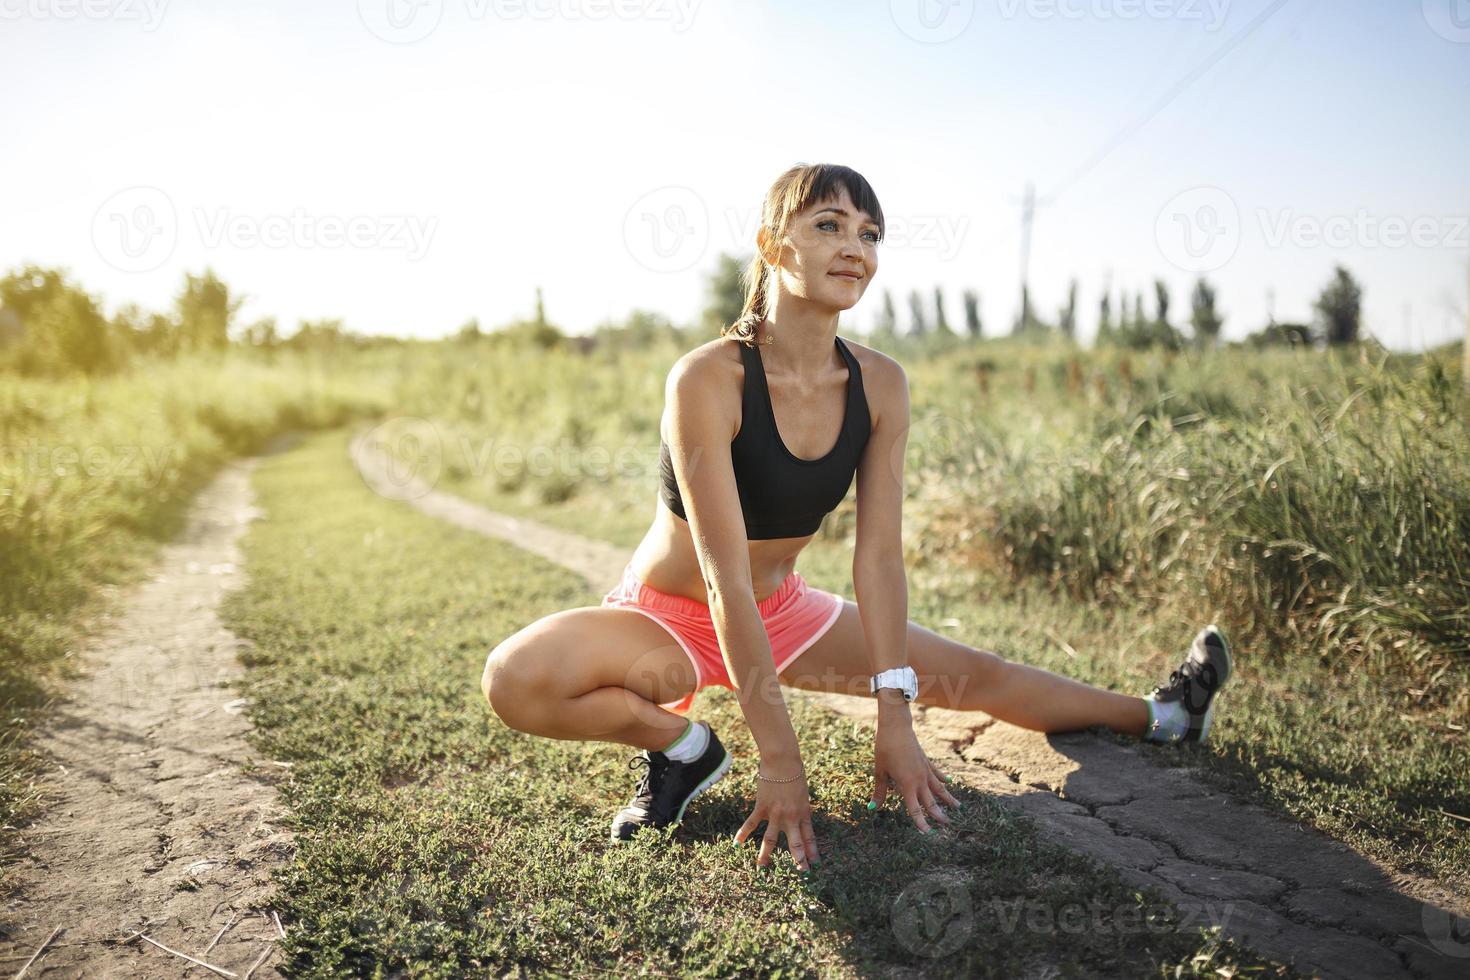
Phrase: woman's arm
(878, 576)
(701, 423)
(882, 595)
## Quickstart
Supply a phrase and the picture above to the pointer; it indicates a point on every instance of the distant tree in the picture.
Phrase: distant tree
(1339, 309)
(1204, 318)
(1067, 317)
(918, 325)
(1162, 333)
(470, 331)
(261, 334)
(887, 324)
(1104, 320)
(540, 320)
(1161, 302)
(55, 325)
(638, 330)
(941, 322)
(1283, 335)
(326, 334)
(972, 314)
(204, 311)
(724, 294)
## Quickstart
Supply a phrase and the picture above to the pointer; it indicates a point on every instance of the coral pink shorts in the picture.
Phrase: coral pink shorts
(795, 617)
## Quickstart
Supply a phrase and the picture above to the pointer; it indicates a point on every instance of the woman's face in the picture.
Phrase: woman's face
(831, 253)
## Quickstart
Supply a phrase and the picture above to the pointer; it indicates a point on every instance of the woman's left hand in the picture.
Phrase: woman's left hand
(898, 756)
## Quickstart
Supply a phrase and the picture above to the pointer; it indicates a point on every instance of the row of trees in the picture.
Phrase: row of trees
(1338, 308)
(50, 325)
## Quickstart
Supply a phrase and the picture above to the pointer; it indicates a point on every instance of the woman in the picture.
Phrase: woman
(749, 467)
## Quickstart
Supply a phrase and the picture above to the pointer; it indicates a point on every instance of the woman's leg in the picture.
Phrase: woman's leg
(953, 675)
(591, 674)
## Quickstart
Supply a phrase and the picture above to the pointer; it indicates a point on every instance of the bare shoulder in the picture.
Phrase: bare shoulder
(884, 381)
(716, 371)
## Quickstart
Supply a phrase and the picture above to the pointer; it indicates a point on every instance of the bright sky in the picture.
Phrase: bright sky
(408, 164)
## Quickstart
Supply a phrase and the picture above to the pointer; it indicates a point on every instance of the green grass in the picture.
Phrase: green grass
(95, 475)
(434, 841)
(1116, 507)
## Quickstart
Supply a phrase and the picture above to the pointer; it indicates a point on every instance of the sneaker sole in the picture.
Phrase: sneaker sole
(1226, 668)
(1227, 664)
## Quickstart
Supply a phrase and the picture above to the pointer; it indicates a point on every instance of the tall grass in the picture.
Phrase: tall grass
(1336, 513)
(96, 473)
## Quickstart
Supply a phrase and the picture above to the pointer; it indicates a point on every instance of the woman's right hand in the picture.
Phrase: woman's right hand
(787, 809)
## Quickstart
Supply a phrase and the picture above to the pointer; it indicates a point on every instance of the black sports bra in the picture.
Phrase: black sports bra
(782, 495)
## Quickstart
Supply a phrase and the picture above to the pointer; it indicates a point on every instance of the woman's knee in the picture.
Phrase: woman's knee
(517, 681)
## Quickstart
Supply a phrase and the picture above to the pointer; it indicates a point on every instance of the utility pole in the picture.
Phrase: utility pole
(1028, 214)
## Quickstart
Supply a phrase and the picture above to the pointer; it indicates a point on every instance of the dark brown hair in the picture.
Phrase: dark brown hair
(798, 188)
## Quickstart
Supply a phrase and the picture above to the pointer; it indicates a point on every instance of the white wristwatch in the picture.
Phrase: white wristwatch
(902, 678)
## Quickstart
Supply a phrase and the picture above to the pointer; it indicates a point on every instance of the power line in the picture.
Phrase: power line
(1174, 91)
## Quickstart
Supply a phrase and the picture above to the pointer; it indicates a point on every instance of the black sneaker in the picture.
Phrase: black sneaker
(1204, 671)
(667, 787)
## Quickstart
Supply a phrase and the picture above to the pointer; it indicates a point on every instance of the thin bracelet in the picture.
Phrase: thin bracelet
(770, 780)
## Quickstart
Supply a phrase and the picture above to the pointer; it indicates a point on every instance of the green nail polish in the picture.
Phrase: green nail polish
(872, 805)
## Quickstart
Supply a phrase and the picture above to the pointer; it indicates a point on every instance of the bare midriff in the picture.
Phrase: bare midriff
(666, 559)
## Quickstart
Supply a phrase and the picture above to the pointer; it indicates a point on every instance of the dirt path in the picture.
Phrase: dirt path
(151, 824)
(1287, 890)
